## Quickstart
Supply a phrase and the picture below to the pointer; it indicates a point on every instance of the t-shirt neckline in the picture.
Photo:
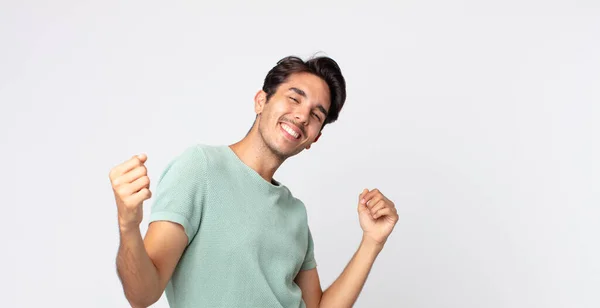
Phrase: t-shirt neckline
(251, 172)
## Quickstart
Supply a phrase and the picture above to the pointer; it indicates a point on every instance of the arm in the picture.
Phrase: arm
(308, 281)
(145, 267)
(377, 216)
(345, 290)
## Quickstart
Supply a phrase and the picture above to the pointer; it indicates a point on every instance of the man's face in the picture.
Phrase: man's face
(292, 118)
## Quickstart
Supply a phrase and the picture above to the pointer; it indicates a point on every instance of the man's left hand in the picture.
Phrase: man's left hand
(377, 215)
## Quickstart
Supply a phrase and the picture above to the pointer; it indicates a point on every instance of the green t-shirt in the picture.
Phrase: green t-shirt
(247, 238)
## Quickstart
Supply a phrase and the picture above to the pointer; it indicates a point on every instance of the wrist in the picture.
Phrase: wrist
(126, 228)
(371, 245)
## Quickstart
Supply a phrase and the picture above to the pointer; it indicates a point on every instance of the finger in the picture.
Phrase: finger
(131, 176)
(363, 193)
(126, 166)
(362, 207)
(139, 184)
(371, 203)
(142, 157)
(360, 197)
(368, 196)
(135, 161)
(378, 206)
(140, 196)
(386, 211)
(388, 200)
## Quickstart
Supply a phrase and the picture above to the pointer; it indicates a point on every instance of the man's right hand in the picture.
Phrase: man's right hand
(131, 186)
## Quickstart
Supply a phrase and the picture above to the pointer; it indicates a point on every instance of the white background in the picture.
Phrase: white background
(478, 118)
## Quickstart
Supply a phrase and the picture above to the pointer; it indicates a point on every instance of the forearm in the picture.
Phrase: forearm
(136, 270)
(345, 290)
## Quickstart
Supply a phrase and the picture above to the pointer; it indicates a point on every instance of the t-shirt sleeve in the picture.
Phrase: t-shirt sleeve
(309, 259)
(180, 193)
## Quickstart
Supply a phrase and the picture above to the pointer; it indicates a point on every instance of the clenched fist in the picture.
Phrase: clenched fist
(131, 186)
(377, 215)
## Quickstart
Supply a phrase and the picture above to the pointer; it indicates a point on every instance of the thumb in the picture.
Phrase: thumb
(360, 205)
(364, 192)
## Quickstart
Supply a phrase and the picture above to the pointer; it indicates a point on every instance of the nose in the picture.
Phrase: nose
(302, 115)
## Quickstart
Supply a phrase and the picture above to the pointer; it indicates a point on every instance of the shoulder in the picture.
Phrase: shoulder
(188, 157)
(187, 162)
(198, 154)
(210, 153)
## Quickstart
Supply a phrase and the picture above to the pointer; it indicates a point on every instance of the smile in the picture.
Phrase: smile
(290, 130)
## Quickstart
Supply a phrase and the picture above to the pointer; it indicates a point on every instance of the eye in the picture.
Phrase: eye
(316, 116)
(295, 100)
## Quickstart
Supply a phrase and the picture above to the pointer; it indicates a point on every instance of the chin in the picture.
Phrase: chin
(285, 152)
(281, 147)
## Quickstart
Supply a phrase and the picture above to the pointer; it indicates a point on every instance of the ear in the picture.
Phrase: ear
(260, 99)
(317, 138)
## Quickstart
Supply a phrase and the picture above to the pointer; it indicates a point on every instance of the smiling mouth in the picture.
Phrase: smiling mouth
(288, 129)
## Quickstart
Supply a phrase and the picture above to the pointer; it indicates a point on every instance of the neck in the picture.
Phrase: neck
(253, 152)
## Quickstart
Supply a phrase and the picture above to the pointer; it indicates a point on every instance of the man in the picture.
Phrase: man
(223, 232)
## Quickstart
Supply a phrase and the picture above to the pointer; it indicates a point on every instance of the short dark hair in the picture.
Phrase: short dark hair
(323, 67)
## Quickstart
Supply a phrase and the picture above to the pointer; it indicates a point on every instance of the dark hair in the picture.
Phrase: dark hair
(324, 67)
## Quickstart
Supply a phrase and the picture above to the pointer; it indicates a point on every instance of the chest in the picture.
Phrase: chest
(255, 228)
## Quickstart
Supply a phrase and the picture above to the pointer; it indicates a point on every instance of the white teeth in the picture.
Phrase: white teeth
(290, 131)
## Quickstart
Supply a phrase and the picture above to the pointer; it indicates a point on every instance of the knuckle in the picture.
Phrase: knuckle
(121, 192)
(136, 161)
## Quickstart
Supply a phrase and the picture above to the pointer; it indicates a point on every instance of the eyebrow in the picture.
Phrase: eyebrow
(303, 94)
